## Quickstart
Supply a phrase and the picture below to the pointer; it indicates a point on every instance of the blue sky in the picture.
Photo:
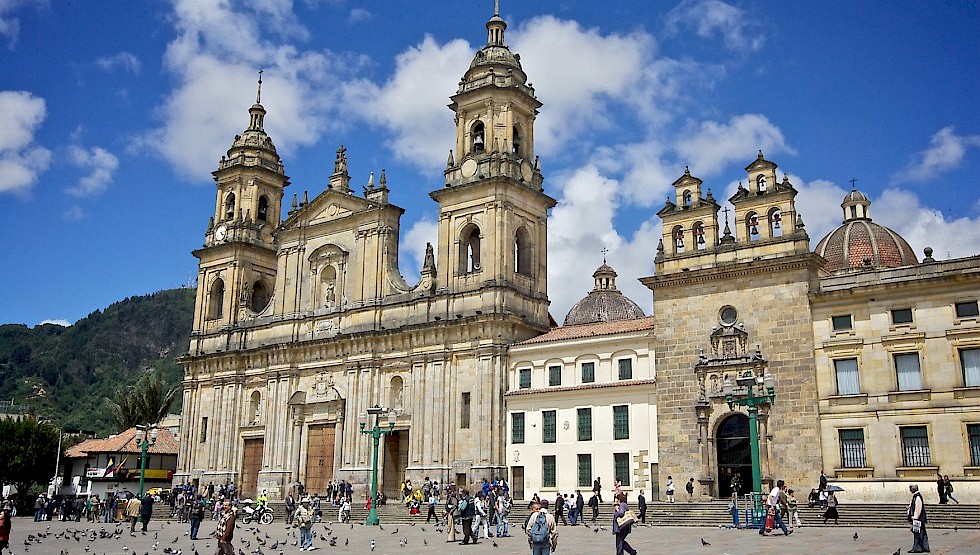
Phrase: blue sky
(115, 113)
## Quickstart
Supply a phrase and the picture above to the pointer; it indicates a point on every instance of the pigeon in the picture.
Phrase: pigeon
(395, 532)
(855, 536)
(898, 551)
(493, 543)
(425, 541)
(704, 543)
(346, 542)
(372, 545)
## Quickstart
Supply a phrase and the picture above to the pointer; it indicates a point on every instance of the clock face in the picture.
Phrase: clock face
(219, 234)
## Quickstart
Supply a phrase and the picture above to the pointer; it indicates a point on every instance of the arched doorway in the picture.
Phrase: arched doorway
(734, 453)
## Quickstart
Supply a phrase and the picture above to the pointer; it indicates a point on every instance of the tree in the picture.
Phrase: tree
(28, 453)
(146, 402)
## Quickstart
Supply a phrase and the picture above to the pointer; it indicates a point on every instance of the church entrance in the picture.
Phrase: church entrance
(251, 465)
(319, 457)
(395, 464)
(734, 454)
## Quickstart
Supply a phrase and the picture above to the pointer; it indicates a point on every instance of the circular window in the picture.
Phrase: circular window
(728, 315)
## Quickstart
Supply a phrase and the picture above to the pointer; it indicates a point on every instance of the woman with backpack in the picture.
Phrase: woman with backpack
(620, 508)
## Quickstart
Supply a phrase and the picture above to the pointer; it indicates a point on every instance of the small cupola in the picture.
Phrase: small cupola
(495, 27)
(856, 206)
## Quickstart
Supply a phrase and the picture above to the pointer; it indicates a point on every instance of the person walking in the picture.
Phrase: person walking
(560, 510)
(670, 489)
(467, 511)
(831, 511)
(917, 516)
(772, 503)
(304, 518)
(941, 489)
(949, 489)
(132, 512)
(594, 503)
(146, 510)
(196, 515)
(481, 516)
(619, 509)
(690, 490)
(597, 488)
(579, 506)
(5, 525)
(452, 501)
(433, 501)
(290, 508)
(641, 502)
(225, 530)
(503, 514)
(794, 509)
(541, 530)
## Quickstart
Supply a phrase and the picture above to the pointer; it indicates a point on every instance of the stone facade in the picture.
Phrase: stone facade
(303, 324)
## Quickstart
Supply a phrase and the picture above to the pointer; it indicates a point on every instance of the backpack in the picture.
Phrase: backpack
(461, 506)
(539, 531)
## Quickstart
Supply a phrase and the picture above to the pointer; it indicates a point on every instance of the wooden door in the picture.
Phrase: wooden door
(251, 465)
(319, 457)
(395, 463)
(517, 482)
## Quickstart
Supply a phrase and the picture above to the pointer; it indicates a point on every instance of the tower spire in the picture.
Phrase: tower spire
(496, 8)
(258, 93)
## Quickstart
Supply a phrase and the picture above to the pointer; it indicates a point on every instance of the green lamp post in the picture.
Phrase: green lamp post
(758, 391)
(376, 432)
(146, 437)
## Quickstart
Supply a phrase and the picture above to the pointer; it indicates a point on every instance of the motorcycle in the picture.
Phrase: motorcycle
(261, 514)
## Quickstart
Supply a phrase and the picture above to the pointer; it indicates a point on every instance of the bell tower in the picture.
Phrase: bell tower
(237, 270)
(493, 212)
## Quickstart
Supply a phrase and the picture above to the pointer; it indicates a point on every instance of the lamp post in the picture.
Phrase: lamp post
(376, 432)
(146, 437)
(752, 398)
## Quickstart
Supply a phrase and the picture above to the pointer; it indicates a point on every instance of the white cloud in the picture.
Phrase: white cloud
(709, 146)
(101, 165)
(21, 160)
(739, 31)
(413, 108)
(923, 226)
(74, 213)
(358, 15)
(57, 322)
(125, 61)
(946, 151)
(10, 24)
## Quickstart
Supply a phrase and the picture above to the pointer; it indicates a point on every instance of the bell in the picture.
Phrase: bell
(753, 230)
(701, 238)
(775, 221)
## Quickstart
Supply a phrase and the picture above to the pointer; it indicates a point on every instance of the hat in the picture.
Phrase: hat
(305, 500)
(544, 503)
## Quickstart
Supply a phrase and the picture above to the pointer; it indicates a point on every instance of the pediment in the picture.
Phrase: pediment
(328, 206)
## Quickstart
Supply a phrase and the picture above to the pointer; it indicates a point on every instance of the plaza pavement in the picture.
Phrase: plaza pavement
(422, 539)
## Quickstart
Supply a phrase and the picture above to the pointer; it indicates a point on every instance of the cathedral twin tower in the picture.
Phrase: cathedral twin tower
(303, 324)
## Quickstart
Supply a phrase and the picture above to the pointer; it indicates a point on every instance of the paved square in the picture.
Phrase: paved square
(166, 537)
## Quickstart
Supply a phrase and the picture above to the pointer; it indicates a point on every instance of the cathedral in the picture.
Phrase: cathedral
(304, 323)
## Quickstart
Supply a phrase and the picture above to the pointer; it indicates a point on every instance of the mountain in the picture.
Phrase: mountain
(66, 373)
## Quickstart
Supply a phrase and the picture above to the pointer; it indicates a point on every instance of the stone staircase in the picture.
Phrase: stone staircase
(709, 513)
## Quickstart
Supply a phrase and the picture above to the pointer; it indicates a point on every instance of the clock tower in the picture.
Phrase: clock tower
(237, 270)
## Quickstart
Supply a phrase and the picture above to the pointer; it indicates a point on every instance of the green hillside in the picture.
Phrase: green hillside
(67, 373)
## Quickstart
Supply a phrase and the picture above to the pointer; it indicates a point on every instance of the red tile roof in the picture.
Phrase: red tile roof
(124, 442)
(592, 330)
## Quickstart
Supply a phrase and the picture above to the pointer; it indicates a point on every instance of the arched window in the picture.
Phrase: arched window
(687, 198)
(752, 226)
(775, 223)
(678, 235)
(328, 286)
(395, 390)
(255, 408)
(216, 300)
(761, 182)
(699, 241)
(477, 138)
(263, 212)
(230, 206)
(260, 296)
(469, 249)
(516, 143)
(522, 252)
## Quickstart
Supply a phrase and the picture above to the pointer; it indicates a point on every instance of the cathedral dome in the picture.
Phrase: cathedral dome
(604, 303)
(860, 243)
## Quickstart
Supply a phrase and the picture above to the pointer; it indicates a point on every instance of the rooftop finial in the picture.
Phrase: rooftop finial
(258, 94)
(604, 251)
(496, 8)
(853, 184)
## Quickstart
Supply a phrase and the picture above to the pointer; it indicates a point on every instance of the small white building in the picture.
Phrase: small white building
(581, 401)
(111, 465)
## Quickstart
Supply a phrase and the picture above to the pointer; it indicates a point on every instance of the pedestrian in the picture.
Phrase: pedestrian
(597, 489)
(467, 511)
(917, 516)
(196, 516)
(304, 518)
(290, 507)
(949, 489)
(594, 503)
(641, 502)
(132, 511)
(794, 509)
(503, 514)
(690, 490)
(541, 530)
(621, 531)
(5, 521)
(452, 500)
(823, 481)
(733, 509)
(579, 506)
(225, 530)
(39, 508)
(831, 511)
(433, 501)
(345, 510)
(941, 488)
(481, 517)
(146, 510)
(736, 484)
(773, 509)
(670, 489)
(560, 510)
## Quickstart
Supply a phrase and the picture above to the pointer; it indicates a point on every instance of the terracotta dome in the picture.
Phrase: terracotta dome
(604, 303)
(860, 243)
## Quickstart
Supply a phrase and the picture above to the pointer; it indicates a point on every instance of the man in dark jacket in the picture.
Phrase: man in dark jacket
(594, 503)
(466, 516)
(641, 502)
(146, 510)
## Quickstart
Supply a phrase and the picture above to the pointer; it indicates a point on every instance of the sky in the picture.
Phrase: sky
(116, 113)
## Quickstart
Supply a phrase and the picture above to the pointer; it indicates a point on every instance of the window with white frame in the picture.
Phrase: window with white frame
(848, 382)
(626, 369)
(970, 359)
(908, 371)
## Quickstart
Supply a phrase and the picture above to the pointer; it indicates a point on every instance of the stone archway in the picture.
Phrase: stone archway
(734, 453)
